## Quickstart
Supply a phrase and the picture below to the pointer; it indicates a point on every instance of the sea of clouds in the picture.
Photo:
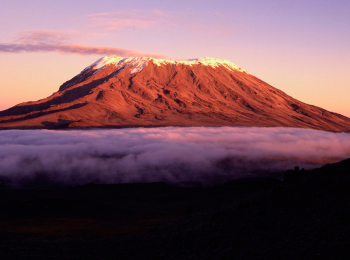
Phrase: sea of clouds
(171, 154)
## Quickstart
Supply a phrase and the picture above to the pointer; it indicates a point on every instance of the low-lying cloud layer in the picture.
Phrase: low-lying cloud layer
(174, 155)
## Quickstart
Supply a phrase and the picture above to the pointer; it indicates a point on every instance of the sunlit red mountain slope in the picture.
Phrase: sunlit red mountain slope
(123, 92)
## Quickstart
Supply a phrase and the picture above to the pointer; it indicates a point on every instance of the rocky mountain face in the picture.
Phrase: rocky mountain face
(125, 92)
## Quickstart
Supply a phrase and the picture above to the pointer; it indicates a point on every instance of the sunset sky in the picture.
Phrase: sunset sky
(300, 47)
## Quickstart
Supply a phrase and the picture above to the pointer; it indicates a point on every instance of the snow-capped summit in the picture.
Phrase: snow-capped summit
(136, 64)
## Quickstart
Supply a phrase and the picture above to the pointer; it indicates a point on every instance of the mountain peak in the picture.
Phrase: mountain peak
(138, 63)
(144, 91)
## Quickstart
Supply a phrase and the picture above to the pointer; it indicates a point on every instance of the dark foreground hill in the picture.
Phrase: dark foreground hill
(124, 92)
(304, 217)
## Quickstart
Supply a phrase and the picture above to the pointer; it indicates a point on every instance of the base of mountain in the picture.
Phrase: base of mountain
(306, 216)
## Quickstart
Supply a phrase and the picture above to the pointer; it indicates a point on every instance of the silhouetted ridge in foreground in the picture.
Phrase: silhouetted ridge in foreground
(124, 92)
(305, 217)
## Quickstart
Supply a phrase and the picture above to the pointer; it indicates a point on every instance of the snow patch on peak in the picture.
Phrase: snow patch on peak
(206, 61)
(138, 63)
(105, 61)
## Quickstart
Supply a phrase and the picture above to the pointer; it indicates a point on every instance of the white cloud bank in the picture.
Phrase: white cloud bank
(199, 154)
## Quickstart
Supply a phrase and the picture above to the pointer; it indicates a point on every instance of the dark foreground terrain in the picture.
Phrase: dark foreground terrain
(305, 217)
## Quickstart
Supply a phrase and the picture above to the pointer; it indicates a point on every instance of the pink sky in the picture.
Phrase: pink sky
(300, 47)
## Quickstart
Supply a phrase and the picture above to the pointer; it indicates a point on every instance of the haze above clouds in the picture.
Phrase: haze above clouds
(171, 154)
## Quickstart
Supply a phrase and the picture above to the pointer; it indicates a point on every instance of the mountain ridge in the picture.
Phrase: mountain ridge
(123, 92)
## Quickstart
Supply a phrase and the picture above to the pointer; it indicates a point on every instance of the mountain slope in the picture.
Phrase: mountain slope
(121, 92)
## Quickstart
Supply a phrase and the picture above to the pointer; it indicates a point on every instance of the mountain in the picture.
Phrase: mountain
(120, 92)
